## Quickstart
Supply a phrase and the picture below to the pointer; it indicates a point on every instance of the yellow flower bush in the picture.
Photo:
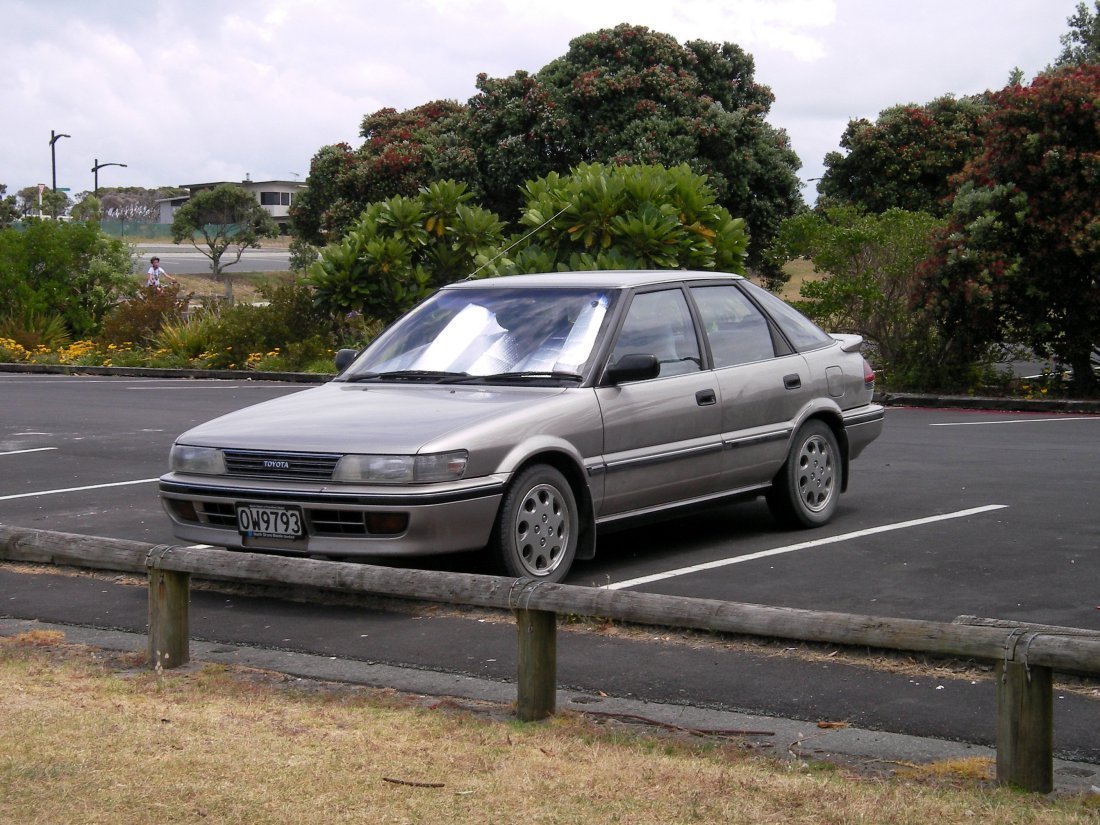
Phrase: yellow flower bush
(12, 352)
(77, 352)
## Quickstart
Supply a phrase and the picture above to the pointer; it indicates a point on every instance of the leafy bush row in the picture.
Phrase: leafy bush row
(287, 333)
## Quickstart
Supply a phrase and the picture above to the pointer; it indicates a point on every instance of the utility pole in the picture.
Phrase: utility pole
(54, 138)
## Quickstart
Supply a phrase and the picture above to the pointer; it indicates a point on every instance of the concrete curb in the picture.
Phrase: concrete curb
(891, 399)
(972, 402)
(157, 372)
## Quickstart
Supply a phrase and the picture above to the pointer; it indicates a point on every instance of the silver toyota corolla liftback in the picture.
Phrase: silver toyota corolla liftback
(519, 415)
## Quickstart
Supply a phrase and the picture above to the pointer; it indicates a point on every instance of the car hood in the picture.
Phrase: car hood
(364, 418)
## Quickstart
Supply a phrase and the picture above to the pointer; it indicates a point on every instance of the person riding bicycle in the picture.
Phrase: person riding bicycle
(155, 273)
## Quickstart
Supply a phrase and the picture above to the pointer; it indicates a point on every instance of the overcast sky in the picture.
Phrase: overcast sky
(204, 90)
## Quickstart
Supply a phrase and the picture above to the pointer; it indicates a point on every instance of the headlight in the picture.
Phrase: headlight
(401, 469)
(202, 460)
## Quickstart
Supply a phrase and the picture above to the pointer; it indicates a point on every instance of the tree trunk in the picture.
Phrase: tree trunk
(1084, 379)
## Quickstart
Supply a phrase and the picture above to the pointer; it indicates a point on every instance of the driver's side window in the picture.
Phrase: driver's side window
(659, 323)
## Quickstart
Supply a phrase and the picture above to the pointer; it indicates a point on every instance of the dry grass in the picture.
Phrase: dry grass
(88, 739)
(799, 271)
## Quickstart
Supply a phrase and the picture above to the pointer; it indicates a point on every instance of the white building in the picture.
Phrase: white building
(276, 196)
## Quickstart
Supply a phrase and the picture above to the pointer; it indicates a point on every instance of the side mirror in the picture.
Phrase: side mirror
(633, 367)
(344, 358)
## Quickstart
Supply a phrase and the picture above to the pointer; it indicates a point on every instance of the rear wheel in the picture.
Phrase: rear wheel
(805, 492)
(536, 531)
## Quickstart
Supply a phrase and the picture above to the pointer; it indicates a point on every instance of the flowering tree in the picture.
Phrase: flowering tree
(632, 96)
(401, 152)
(905, 159)
(1019, 258)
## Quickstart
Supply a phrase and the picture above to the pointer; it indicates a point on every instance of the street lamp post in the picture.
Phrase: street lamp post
(54, 138)
(95, 171)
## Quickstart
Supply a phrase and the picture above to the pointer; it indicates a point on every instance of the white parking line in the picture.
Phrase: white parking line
(1017, 421)
(78, 489)
(32, 450)
(179, 387)
(790, 548)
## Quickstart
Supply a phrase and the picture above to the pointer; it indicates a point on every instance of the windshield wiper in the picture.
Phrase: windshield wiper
(427, 376)
(533, 375)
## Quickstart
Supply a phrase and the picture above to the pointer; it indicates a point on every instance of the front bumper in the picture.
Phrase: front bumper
(438, 518)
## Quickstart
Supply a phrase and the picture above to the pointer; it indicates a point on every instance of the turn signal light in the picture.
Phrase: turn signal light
(387, 524)
(185, 510)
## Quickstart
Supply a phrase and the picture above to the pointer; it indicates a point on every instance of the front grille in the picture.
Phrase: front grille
(297, 466)
(337, 522)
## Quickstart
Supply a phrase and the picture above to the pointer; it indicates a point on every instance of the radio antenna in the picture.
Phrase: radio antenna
(517, 243)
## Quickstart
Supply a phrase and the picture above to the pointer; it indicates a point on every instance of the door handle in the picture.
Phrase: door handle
(792, 381)
(704, 398)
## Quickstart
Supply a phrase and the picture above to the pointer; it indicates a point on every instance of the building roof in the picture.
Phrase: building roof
(247, 183)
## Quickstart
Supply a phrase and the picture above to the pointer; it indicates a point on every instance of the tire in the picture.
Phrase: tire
(805, 492)
(537, 528)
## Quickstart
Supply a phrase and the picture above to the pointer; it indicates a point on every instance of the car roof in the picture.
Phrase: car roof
(601, 279)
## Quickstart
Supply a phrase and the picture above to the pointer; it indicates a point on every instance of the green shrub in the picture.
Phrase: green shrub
(165, 359)
(66, 268)
(186, 339)
(140, 318)
(289, 323)
(401, 248)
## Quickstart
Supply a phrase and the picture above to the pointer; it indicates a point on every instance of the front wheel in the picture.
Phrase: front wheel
(805, 491)
(535, 535)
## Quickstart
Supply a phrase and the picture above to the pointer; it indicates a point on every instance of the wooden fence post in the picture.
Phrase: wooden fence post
(169, 619)
(537, 683)
(1025, 726)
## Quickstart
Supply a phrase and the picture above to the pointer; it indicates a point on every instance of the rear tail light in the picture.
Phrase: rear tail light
(868, 375)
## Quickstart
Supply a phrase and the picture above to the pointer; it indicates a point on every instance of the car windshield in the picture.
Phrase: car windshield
(494, 332)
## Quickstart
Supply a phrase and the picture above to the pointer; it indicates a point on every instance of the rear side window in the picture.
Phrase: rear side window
(737, 330)
(803, 333)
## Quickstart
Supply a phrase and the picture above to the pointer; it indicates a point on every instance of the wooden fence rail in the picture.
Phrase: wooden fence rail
(1025, 656)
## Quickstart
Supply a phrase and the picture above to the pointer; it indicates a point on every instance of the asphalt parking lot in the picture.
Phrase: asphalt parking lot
(950, 512)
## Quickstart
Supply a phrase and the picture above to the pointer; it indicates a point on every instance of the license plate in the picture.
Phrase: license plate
(268, 522)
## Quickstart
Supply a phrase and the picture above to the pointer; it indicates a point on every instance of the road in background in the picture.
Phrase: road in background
(186, 260)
